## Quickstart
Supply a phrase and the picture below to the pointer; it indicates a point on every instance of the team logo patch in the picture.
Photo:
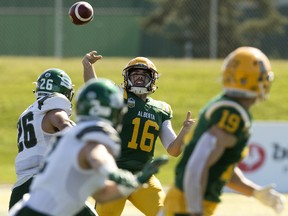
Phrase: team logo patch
(131, 103)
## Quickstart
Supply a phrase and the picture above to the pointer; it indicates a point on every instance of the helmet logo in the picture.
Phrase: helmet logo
(66, 83)
(91, 95)
(98, 110)
(47, 75)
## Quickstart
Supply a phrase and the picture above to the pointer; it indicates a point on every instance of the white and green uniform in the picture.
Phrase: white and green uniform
(62, 186)
(32, 140)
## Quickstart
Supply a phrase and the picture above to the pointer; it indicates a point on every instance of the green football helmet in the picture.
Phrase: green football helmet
(54, 80)
(100, 98)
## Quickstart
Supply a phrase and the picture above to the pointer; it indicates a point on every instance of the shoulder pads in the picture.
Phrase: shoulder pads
(231, 104)
(54, 101)
(162, 106)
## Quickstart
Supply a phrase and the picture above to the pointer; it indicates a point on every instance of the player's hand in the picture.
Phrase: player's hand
(151, 168)
(270, 197)
(188, 122)
(126, 182)
(90, 58)
(124, 178)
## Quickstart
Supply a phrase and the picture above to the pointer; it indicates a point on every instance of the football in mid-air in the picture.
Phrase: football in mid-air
(81, 13)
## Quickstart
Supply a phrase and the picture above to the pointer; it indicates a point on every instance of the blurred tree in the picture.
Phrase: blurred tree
(244, 22)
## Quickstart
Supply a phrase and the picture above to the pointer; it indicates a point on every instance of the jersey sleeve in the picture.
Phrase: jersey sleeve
(165, 108)
(55, 101)
(229, 116)
(104, 134)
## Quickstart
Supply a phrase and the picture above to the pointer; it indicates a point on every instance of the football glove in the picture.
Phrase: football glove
(270, 197)
(151, 168)
(125, 178)
(126, 181)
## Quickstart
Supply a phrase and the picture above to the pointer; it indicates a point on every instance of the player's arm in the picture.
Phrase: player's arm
(96, 156)
(56, 120)
(123, 183)
(88, 69)
(207, 152)
(240, 183)
(119, 183)
(168, 137)
(266, 195)
(108, 193)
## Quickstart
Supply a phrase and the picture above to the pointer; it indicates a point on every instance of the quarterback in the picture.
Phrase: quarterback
(146, 120)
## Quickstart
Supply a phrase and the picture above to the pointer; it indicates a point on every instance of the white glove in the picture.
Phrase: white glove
(270, 197)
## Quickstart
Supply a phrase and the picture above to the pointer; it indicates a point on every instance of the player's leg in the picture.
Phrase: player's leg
(174, 202)
(209, 208)
(149, 199)
(20, 208)
(18, 192)
(113, 208)
(26, 211)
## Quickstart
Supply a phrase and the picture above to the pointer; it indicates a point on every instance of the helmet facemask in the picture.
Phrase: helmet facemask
(148, 86)
(265, 85)
(140, 65)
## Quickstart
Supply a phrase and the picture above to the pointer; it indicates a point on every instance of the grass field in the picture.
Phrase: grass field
(184, 84)
(232, 205)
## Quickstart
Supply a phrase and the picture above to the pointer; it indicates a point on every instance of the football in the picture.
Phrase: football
(81, 13)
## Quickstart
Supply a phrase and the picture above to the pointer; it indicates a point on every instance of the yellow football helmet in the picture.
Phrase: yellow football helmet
(247, 73)
(145, 64)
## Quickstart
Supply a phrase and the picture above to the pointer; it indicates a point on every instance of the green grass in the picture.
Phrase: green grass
(184, 84)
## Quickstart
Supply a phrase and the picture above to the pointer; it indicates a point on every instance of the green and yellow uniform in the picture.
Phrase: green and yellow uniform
(233, 118)
(141, 127)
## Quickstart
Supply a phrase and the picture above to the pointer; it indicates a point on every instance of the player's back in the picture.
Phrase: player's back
(32, 140)
(231, 117)
(62, 186)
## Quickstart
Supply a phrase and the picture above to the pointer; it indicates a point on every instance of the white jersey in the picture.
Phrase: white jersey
(62, 186)
(32, 140)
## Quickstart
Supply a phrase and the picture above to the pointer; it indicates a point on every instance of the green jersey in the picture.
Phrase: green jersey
(233, 118)
(141, 127)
